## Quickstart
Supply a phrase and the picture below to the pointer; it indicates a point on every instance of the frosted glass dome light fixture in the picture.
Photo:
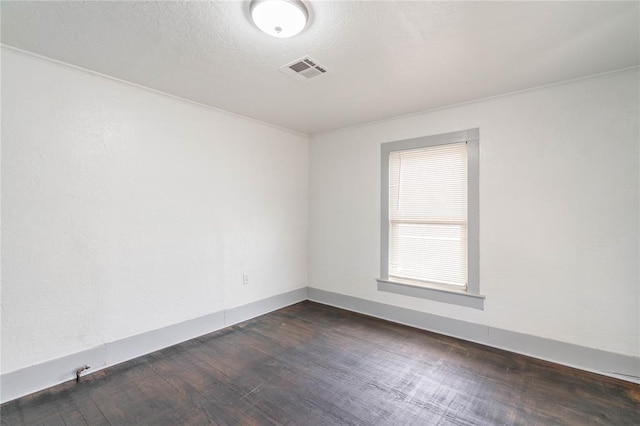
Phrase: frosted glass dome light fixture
(279, 18)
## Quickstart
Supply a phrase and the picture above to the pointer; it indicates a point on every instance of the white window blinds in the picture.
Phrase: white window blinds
(428, 214)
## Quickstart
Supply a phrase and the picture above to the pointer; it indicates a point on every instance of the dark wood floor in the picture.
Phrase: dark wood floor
(311, 364)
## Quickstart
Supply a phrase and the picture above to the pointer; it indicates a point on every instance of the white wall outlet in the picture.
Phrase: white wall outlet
(245, 279)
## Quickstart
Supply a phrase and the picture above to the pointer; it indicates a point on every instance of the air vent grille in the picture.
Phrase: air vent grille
(304, 68)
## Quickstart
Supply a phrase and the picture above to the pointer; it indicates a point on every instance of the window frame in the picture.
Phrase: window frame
(469, 297)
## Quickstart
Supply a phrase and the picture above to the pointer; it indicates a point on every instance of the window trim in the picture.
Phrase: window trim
(470, 297)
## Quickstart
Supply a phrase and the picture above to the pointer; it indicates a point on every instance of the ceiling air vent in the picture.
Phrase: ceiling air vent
(304, 68)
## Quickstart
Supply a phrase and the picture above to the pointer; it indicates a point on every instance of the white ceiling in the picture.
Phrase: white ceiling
(385, 58)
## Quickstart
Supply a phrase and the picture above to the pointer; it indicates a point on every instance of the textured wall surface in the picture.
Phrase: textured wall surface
(559, 220)
(124, 211)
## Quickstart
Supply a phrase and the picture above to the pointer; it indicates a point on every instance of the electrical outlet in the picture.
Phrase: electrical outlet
(245, 279)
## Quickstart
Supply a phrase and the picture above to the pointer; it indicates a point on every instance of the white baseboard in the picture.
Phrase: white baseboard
(611, 364)
(17, 383)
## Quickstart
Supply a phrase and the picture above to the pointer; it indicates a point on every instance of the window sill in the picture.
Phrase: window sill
(462, 298)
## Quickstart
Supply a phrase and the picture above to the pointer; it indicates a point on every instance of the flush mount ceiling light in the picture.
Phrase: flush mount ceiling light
(279, 18)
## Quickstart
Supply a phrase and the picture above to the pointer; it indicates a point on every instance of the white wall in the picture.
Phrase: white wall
(124, 210)
(559, 219)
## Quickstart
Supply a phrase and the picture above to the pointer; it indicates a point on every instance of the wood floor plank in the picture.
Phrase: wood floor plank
(311, 364)
(197, 386)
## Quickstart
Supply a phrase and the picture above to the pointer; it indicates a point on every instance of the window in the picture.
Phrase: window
(430, 218)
